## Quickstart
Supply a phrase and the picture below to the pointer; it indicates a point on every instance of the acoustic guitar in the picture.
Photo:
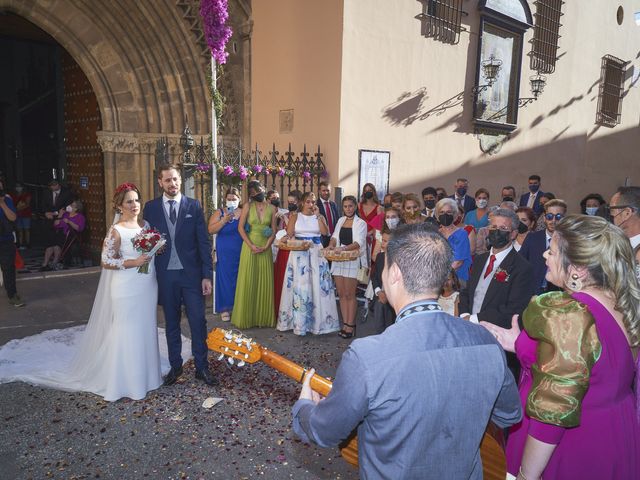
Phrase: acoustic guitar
(240, 350)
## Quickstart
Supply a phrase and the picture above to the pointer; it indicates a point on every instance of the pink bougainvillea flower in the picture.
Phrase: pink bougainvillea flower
(215, 14)
(281, 172)
(228, 171)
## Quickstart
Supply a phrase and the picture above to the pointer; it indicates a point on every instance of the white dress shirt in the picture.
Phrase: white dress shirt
(635, 241)
(167, 207)
(483, 283)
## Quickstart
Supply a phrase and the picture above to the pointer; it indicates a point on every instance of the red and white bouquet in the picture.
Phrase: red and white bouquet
(149, 241)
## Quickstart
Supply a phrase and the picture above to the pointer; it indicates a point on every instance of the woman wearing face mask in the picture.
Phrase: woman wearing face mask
(69, 223)
(350, 234)
(224, 224)
(282, 256)
(478, 217)
(411, 209)
(527, 222)
(371, 212)
(253, 303)
(392, 220)
(447, 212)
(592, 204)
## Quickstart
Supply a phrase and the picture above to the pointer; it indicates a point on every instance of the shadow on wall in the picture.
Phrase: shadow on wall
(570, 167)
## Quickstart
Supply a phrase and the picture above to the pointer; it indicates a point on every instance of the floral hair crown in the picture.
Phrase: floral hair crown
(125, 187)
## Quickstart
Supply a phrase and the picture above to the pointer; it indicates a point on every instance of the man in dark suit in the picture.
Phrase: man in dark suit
(57, 198)
(394, 376)
(328, 210)
(532, 199)
(184, 271)
(499, 285)
(536, 243)
(465, 201)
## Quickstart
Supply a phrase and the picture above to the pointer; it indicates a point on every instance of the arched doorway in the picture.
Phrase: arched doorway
(50, 119)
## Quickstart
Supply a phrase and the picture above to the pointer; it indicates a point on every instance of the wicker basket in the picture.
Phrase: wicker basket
(294, 245)
(344, 256)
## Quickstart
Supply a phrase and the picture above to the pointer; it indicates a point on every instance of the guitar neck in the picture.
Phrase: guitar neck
(294, 371)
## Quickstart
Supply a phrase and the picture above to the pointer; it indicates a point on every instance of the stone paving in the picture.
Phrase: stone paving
(169, 435)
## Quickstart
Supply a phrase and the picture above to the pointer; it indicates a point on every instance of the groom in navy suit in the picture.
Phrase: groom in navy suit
(184, 271)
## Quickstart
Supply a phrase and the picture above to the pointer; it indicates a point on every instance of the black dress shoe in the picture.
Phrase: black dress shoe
(207, 377)
(172, 376)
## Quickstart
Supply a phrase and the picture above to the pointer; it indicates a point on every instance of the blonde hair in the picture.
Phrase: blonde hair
(601, 247)
(410, 197)
(556, 202)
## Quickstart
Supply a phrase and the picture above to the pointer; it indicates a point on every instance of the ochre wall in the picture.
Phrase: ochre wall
(296, 58)
(392, 77)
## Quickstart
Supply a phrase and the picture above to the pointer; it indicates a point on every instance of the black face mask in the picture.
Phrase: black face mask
(293, 207)
(440, 196)
(445, 219)
(498, 238)
(258, 197)
(522, 228)
(275, 202)
(507, 199)
(387, 205)
(430, 204)
(368, 195)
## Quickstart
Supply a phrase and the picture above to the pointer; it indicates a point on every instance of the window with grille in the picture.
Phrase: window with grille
(612, 78)
(442, 20)
(546, 33)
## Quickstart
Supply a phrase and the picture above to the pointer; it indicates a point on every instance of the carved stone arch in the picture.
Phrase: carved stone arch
(146, 68)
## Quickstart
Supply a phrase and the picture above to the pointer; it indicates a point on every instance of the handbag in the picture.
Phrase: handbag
(363, 275)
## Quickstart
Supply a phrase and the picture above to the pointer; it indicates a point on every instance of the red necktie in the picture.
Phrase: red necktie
(327, 210)
(489, 269)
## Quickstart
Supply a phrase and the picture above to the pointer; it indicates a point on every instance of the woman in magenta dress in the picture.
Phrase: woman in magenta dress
(577, 356)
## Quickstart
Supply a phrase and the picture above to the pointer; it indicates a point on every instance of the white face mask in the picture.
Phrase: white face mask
(392, 222)
(482, 203)
(233, 204)
(69, 208)
(592, 210)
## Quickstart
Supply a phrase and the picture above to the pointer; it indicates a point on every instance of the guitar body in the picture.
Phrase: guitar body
(242, 349)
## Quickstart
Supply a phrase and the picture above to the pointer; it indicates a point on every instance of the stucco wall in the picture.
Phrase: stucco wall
(296, 61)
(393, 78)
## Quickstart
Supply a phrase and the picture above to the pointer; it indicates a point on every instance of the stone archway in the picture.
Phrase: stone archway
(147, 65)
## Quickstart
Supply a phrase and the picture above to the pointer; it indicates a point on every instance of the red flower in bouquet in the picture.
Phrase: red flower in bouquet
(148, 240)
(501, 275)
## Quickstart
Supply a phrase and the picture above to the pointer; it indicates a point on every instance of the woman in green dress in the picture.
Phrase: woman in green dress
(253, 305)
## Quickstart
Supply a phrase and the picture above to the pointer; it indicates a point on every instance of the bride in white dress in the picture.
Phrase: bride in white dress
(118, 354)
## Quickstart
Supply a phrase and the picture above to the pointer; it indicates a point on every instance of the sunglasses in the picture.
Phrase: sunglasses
(551, 216)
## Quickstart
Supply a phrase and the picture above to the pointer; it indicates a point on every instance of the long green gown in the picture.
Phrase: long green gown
(253, 305)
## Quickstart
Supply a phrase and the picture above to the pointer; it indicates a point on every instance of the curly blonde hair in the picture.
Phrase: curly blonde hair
(601, 247)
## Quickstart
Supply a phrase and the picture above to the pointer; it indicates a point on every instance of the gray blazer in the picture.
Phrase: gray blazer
(421, 395)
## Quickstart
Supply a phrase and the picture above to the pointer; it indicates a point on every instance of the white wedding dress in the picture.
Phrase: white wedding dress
(117, 355)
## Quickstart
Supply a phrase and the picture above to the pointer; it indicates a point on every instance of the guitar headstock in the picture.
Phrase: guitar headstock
(233, 345)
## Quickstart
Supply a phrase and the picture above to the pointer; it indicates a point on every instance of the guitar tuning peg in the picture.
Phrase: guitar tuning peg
(230, 360)
(228, 336)
(241, 363)
(237, 352)
(221, 356)
(246, 355)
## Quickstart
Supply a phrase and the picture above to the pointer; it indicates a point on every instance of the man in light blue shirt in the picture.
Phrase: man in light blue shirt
(422, 393)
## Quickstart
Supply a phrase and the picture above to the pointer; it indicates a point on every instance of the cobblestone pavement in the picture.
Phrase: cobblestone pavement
(169, 435)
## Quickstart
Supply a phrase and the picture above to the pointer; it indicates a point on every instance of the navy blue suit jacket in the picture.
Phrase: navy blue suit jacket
(334, 210)
(537, 208)
(192, 239)
(532, 249)
(468, 204)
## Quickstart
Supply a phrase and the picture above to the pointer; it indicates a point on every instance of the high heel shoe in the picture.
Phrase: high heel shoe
(344, 334)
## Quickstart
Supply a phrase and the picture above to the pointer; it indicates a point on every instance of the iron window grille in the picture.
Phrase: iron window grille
(546, 33)
(442, 20)
(612, 76)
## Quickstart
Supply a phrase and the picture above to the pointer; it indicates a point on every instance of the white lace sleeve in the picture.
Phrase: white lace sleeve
(111, 257)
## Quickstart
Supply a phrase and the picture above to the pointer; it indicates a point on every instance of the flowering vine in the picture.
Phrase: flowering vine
(215, 14)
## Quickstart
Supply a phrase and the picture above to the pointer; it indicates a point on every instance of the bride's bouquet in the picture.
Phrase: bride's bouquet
(149, 241)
